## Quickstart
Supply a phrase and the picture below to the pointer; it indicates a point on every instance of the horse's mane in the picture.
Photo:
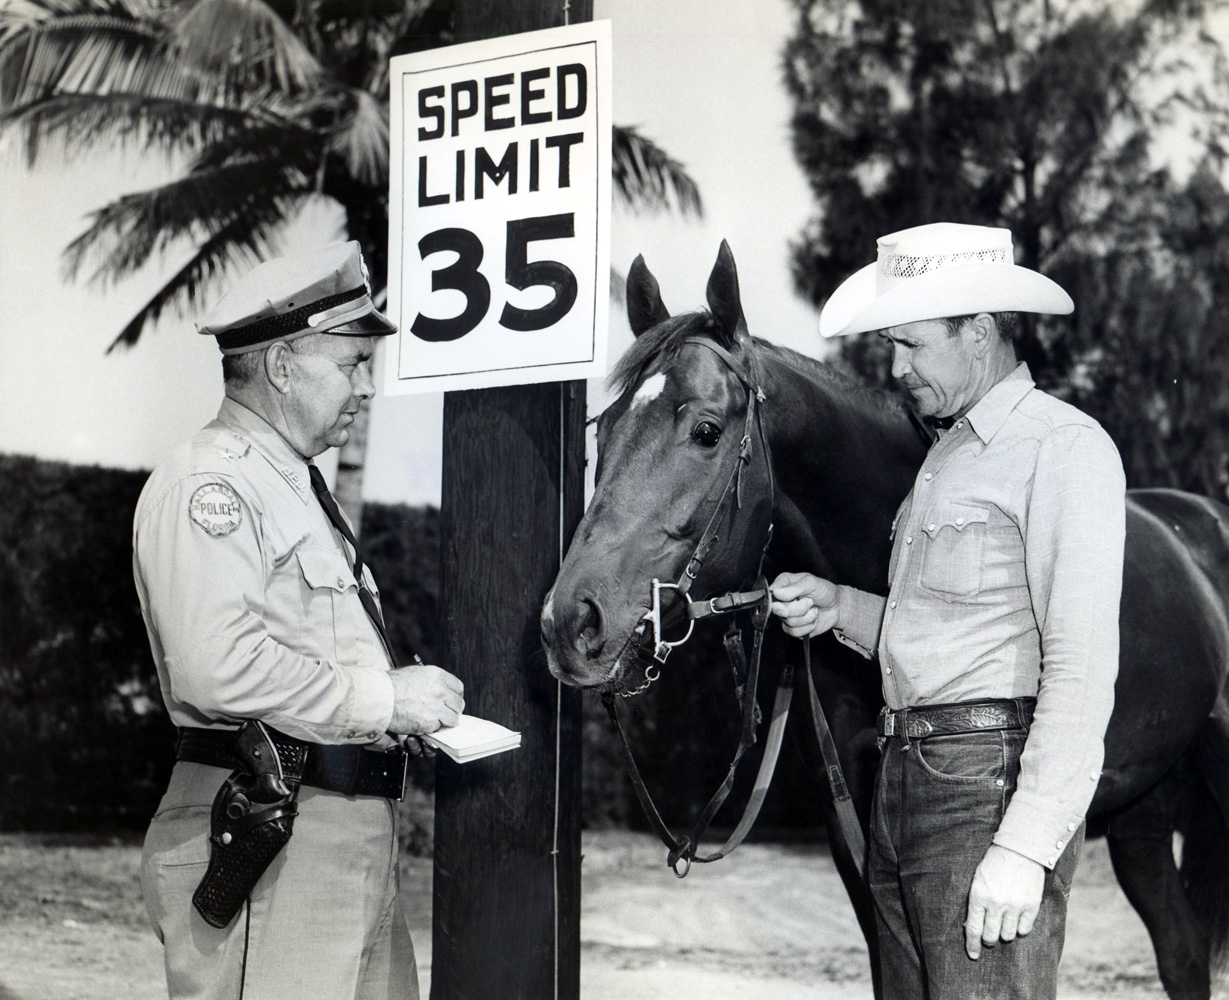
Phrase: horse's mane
(656, 348)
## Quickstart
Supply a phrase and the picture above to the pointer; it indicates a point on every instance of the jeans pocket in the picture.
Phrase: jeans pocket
(965, 758)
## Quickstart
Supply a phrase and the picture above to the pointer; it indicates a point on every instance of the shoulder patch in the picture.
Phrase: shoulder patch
(215, 508)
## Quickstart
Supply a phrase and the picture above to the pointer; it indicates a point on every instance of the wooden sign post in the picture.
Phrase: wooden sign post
(506, 918)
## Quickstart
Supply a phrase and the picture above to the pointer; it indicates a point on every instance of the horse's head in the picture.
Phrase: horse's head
(682, 464)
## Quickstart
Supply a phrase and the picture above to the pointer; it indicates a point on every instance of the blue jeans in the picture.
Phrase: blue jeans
(938, 803)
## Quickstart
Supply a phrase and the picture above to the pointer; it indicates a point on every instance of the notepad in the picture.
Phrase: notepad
(473, 738)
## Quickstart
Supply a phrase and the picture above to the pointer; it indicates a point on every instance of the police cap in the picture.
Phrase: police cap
(324, 291)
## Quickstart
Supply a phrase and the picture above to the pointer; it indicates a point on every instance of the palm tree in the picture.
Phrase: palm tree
(270, 104)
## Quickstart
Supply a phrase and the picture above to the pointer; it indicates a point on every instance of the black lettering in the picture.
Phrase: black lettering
(521, 273)
(564, 144)
(427, 200)
(529, 95)
(484, 166)
(460, 175)
(533, 164)
(426, 110)
(494, 100)
(577, 72)
(462, 275)
(469, 87)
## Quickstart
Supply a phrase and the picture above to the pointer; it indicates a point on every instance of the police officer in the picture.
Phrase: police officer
(260, 613)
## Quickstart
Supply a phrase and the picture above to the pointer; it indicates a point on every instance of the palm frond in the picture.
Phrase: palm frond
(73, 123)
(361, 140)
(248, 239)
(646, 177)
(123, 235)
(241, 46)
(82, 52)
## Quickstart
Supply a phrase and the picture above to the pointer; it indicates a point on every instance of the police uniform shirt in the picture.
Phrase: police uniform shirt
(248, 594)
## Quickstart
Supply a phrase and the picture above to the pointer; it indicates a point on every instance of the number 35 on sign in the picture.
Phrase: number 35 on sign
(499, 211)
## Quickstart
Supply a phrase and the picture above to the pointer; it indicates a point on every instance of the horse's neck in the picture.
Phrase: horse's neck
(843, 462)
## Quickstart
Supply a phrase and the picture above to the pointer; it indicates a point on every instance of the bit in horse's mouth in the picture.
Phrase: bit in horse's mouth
(635, 642)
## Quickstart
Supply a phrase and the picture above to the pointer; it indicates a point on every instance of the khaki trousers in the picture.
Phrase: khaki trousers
(323, 922)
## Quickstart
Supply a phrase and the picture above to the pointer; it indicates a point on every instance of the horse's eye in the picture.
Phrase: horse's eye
(706, 433)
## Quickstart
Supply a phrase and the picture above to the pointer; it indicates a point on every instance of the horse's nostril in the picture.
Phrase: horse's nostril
(589, 620)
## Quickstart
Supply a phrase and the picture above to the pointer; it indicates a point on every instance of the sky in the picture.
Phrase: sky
(699, 77)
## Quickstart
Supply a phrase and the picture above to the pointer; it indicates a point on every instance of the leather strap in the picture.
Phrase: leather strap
(848, 824)
(348, 770)
(955, 718)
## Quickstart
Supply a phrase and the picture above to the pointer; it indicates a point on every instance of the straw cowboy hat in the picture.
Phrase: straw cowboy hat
(934, 271)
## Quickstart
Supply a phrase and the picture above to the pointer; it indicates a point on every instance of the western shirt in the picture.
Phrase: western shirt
(1004, 581)
(248, 595)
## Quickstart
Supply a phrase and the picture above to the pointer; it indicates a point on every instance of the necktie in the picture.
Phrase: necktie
(333, 513)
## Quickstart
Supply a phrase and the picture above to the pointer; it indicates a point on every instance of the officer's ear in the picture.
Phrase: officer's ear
(278, 362)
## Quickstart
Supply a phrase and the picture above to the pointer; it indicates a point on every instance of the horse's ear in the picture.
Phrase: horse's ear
(645, 308)
(724, 301)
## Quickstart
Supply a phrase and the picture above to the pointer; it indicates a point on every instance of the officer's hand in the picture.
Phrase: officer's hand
(1004, 899)
(806, 604)
(425, 698)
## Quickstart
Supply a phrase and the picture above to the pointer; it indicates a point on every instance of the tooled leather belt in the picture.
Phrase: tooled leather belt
(957, 717)
(350, 770)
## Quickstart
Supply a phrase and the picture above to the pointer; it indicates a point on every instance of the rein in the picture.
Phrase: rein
(683, 851)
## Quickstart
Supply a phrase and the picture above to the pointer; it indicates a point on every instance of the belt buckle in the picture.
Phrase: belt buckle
(889, 723)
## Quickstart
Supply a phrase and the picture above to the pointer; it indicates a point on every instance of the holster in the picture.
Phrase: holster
(252, 819)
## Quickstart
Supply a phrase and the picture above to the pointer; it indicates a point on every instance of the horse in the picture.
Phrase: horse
(835, 461)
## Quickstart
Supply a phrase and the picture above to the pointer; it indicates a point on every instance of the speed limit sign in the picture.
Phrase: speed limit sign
(499, 211)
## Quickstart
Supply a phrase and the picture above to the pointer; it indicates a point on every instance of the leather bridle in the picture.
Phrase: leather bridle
(683, 851)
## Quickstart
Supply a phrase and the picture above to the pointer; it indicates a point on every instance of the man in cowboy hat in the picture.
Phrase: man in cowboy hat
(998, 638)
(270, 868)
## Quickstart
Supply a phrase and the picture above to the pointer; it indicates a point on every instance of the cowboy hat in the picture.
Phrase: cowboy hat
(935, 271)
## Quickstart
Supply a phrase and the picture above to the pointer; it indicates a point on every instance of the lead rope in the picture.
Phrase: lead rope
(847, 821)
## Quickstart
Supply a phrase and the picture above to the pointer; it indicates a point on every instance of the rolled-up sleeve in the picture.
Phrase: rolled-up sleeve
(204, 597)
(859, 618)
(1073, 545)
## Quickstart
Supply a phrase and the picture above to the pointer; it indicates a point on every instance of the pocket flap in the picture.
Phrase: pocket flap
(322, 568)
(953, 515)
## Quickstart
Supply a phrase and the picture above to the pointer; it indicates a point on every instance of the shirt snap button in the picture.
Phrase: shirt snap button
(892, 605)
(341, 581)
(1071, 826)
(929, 476)
(909, 540)
(960, 520)
(350, 735)
(1059, 845)
(999, 782)
(931, 526)
(887, 670)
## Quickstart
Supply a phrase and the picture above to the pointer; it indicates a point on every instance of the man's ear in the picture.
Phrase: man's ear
(985, 332)
(277, 366)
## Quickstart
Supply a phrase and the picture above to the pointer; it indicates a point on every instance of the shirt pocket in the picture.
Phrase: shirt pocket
(325, 578)
(955, 549)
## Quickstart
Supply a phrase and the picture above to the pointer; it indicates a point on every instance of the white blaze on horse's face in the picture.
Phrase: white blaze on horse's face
(652, 387)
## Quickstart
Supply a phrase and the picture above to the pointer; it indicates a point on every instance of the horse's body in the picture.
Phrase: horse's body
(843, 457)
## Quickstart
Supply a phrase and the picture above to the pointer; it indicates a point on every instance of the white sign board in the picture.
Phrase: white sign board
(499, 246)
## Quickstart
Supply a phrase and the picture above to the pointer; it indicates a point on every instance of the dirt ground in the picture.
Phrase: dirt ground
(769, 922)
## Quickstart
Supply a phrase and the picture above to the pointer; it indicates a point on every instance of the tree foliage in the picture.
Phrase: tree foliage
(1097, 132)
